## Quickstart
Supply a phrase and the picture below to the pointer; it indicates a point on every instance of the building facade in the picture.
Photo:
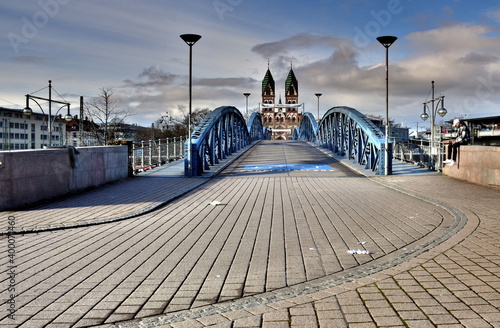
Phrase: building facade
(281, 119)
(80, 133)
(19, 131)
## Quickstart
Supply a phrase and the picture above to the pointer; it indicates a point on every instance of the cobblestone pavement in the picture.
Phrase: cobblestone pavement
(274, 253)
(113, 202)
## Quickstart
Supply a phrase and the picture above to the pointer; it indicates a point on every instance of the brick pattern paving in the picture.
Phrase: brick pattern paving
(453, 285)
(109, 203)
(279, 240)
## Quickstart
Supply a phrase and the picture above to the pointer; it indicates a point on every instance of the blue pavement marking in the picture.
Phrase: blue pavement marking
(287, 167)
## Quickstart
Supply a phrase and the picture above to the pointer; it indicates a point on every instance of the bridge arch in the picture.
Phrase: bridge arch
(308, 128)
(348, 133)
(222, 132)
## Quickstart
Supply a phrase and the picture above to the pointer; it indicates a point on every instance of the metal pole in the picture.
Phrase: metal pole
(142, 155)
(387, 41)
(246, 94)
(190, 169)
(134, 157)
(386, 166)
(151, 152)
(50, 113)
(318, 108)
(432, 128)
(168, 152)
(190, 40)
(80, 127)
(318, 95)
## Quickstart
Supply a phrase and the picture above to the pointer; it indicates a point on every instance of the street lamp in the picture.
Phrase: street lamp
(190, 40)
(386, 41)
(27, 110)
(246, 94)
(318, 95)
(433, 110)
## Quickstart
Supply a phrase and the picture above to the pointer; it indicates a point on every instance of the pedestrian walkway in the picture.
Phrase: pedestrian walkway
(113, 202)
(272, 249)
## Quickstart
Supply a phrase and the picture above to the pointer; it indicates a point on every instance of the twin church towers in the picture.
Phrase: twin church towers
(281, 118)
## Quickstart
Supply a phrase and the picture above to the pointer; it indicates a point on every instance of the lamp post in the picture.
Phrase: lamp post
(27, 110)
(246, 94)
(424, 116)
(386, 41)
(190, 40)
(318, 95)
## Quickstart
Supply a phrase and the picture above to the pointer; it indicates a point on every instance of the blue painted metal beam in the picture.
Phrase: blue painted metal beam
(222, 133)
(348, 133)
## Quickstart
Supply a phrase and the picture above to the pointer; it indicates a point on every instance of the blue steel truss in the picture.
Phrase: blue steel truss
(307, 130)
(348, 133)
(222, 133)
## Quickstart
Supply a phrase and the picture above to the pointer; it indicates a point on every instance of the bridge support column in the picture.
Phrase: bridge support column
(195, 161)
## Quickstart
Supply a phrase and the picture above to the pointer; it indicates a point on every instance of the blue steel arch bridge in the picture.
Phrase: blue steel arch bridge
(342, 130)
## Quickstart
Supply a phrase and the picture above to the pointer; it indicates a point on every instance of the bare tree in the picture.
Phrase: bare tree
(175, 126)
(103, 111)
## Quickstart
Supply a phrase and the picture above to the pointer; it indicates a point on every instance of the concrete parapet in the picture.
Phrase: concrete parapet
(478, 164)
(29, 176)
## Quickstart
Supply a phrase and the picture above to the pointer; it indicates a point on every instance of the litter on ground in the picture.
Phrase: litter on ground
(358, 251)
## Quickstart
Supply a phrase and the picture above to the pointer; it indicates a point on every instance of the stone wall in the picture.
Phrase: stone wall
(29, 176)
(478, 164)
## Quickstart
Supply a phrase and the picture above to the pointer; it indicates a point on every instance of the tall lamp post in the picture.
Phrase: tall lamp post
(28, 111)
(318, 95)
(246, 94)
(386, 41)
(424, 116)
(190, 40)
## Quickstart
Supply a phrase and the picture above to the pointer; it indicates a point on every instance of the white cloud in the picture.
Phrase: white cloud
(135, 48)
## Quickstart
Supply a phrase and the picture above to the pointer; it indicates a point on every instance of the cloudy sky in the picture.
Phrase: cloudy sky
(134, 48)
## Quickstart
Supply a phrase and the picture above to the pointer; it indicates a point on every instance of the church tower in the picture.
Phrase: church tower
(268, 93)
(280, 118)
(291, 88)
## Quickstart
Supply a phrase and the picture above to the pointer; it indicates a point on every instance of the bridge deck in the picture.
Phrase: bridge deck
(275, 245)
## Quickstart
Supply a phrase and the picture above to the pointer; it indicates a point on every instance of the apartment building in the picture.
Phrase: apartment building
(19, 131)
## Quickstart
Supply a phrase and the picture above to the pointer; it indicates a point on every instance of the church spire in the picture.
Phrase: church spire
(268, 87)
(291, 87)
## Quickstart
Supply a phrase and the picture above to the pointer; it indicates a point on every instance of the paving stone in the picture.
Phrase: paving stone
(280, 237)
